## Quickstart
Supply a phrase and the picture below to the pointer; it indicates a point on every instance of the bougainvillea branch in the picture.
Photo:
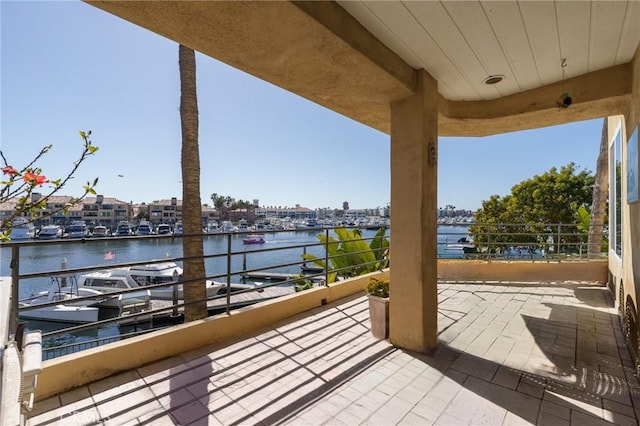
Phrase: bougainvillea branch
(19, 184)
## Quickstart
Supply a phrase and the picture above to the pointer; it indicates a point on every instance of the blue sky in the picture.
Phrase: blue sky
(67, 66)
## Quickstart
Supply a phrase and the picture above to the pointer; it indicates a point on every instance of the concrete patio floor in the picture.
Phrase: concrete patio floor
(509, 354)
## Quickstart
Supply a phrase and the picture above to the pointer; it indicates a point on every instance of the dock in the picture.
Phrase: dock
(267, 276)
(215, 306)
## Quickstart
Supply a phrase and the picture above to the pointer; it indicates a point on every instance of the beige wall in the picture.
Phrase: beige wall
(520, 271)
(626, 272)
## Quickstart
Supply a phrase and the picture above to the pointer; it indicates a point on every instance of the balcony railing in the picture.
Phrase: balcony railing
(233, 263)
(531, 241)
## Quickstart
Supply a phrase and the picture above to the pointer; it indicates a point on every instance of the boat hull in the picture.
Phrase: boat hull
(63, 313)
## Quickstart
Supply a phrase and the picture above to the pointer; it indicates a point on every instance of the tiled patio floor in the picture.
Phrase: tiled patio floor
(509, 354)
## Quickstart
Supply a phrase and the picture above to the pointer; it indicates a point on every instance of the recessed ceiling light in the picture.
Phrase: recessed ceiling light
(493, 79)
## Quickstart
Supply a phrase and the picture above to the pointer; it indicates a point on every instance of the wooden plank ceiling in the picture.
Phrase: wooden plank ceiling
(461, 43)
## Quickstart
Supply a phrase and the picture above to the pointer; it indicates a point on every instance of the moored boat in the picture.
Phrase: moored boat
(78, 229)
(21, 229)
(163, 229)
(144, 228)
(114, 279)
(64, 291)
(123, 229)
(50, 232)
(100, 231)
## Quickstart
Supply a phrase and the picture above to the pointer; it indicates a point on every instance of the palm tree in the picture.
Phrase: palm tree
(600, 193)
(192, 243)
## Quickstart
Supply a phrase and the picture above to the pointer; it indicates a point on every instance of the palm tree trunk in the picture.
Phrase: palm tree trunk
(192, 242)
(600, 193)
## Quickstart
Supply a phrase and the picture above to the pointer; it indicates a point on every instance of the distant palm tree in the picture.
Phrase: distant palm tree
(192, 243)
(600, 193)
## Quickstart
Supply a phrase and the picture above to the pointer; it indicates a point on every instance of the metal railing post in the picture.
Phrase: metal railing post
(559, 230)
(15, 289)
(228, 274)
(174, 294)
(326, 258)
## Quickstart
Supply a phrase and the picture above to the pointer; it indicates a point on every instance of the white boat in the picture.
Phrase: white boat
(50, 232)
(114, 279)
(123, 229)
(227, 226)
(177, 229)
(242, 225)
(21, 229)
(66, 310)
(212, 228)
(78, 229)
(100, 231)
(144, 228)
(163, 229)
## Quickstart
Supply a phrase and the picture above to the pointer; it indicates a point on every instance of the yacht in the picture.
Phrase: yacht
(144, 228)
(212, 228)
(123, 229)
(227, 226)
(50, 232)
(163, 229)
(63, 290)
(78, 229)
(177, 229)
(100, 231)
(114, 279)
(21, 229)
(242, 225)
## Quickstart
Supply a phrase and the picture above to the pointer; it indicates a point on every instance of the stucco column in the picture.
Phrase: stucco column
(413, 276)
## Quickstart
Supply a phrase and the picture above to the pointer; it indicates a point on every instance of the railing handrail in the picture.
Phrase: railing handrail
(225, 276)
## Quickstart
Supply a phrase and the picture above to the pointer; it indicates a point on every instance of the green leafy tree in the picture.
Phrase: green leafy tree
(350, 255)
(534, 208)
(21, 184)
(143, 213)
(226, 203)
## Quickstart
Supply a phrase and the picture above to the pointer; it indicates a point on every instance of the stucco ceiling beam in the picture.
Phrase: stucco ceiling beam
(594, 95)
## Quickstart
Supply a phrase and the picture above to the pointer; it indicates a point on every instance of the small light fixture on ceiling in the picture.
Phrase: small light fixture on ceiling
(493, 79)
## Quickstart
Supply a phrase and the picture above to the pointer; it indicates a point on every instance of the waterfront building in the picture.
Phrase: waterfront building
(98, 210)
(165, 211)
(294, 213)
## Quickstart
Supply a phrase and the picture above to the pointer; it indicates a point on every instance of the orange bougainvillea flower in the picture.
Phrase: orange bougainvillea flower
(9, 170)
(34, 179)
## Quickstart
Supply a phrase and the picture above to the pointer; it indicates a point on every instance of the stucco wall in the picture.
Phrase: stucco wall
(469, 270)
(626, 271)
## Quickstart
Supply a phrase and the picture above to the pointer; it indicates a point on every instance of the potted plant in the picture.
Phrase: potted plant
(378, 292)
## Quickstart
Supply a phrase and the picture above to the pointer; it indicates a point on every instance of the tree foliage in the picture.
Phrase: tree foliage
(534, 207)
(350, 255)
(226, 201)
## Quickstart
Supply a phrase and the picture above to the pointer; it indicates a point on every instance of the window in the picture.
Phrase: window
(615, 192)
